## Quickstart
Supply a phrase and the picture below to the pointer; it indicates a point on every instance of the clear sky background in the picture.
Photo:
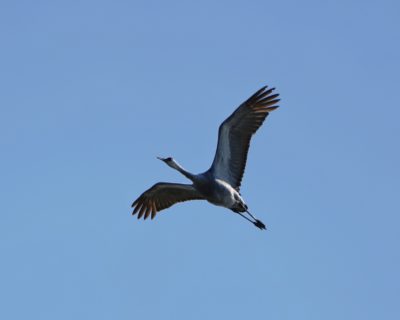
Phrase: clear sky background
(93, 91)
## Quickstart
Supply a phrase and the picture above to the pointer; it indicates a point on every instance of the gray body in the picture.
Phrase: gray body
(218, 192)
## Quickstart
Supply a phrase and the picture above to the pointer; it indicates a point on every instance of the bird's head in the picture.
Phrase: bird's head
(169, 161)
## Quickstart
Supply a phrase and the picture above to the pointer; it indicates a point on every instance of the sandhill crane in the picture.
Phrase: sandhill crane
(219, 185)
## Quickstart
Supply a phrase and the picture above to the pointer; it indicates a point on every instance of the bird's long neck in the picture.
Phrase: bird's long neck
(179, 168)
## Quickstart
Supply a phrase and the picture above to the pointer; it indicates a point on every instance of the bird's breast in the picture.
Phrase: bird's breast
(220, 193)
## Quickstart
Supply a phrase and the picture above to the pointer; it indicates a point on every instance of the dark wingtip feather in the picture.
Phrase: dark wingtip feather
(154, 211)
(138, 206)
(273, 96)
(262, 96)
(142, 211)
(148, 211)
(269, 109)
(258, 93)
(268, 103)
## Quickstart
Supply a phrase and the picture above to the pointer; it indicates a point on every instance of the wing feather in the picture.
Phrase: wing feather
(235, 133)
(161, 196)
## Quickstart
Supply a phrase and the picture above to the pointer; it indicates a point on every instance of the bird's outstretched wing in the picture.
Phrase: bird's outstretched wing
(161, 196)
(235, 133)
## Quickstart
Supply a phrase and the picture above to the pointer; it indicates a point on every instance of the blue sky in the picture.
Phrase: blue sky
(93, 91)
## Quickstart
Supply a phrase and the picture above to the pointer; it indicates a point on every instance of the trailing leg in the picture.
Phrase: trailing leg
(257, 222)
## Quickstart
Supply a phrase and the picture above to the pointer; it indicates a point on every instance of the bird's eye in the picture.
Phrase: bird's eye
(169, 159)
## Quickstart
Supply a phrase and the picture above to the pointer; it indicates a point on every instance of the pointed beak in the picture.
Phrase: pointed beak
(159, 158)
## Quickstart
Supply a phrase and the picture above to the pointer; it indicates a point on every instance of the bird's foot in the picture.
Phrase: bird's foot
(259, 224)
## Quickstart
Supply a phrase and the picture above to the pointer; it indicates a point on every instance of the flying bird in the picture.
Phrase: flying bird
(219, 185)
